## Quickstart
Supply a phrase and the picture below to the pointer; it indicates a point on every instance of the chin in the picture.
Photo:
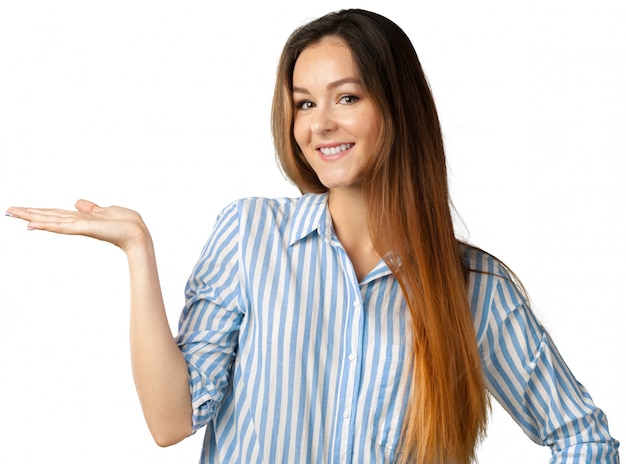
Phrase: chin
(342, 185)
(335, 182)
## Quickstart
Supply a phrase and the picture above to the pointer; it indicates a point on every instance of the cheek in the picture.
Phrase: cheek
(299, 133)
(374, 128)
(302, 137)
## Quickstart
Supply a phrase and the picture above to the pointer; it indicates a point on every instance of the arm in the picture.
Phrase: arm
(528, 376)
(210, 323)
(159, 368)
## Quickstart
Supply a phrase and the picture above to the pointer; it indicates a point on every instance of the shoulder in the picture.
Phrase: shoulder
(251, 203)
(244, 208)
(275, 205)
(494, 291)
(260, 213)
(480, 261)
(254, 208)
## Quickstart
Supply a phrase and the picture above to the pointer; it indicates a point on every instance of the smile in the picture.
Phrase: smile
(336, 150)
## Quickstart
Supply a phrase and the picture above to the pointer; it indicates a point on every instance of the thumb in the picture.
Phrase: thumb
(85, 206)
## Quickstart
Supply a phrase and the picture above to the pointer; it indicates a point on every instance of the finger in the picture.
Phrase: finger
(86, 206)
(11, 212)
(71, 227)
(37, 213)
(53, 220)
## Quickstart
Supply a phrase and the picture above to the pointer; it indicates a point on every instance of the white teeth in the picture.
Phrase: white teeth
(336, 150)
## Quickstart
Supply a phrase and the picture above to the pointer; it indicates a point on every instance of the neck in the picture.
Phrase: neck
(348, 209)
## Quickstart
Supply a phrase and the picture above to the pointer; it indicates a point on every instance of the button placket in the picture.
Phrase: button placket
(352, 345)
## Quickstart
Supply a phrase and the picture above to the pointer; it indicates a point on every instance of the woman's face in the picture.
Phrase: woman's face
(336, 122)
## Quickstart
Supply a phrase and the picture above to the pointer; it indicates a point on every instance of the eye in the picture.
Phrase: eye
(305, 105)
(349, 99)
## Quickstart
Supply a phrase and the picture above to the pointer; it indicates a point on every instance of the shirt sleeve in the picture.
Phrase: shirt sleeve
(209, 323)
(527, 375)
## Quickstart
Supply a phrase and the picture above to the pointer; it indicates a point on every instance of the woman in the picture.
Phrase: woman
(348, 324)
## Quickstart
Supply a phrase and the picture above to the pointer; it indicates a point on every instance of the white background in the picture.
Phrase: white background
(163, 107)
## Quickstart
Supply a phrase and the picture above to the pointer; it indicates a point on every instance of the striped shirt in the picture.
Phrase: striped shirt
(293, 360)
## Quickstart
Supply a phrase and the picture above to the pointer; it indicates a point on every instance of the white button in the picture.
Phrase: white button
(351, 357)
(356, 303)
(346, 415)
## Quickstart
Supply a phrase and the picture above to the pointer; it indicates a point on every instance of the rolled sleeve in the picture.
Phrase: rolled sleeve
(209, 323)
(567, 419)
(209, 370)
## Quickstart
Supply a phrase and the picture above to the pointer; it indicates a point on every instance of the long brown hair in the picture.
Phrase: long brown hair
(410, 222)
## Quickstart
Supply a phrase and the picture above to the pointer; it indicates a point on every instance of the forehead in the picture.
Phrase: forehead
(326, 60)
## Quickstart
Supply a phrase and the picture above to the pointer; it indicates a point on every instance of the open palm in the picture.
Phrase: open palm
(120, 226)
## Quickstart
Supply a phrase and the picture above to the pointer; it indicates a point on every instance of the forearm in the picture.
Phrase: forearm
(159, 368)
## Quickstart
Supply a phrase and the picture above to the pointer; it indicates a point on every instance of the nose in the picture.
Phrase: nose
(323, 120)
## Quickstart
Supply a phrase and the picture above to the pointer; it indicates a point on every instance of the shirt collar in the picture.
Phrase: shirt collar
(311, 214)
(379, 271)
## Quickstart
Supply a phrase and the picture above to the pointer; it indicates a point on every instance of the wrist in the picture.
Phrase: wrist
(139, 242)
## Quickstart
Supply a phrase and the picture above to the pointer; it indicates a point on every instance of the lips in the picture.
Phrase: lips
(332, 151)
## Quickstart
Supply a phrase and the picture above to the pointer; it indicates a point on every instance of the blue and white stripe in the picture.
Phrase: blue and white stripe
(292, 359)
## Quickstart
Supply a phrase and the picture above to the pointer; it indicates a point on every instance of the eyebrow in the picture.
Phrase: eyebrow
(331, 85)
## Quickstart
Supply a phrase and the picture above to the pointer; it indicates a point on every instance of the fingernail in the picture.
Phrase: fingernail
(7, 214)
